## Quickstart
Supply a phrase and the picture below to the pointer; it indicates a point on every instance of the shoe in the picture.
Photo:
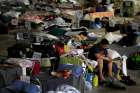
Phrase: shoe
(102, 83)
(128, 81)
(114, 83)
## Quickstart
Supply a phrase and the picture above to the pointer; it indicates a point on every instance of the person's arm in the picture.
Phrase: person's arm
(108, 58)
(102, 56)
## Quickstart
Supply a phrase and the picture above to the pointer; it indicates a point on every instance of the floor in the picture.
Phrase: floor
(8, 40)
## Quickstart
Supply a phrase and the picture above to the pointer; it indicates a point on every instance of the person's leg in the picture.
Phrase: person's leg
(100, 66)
(110, 68)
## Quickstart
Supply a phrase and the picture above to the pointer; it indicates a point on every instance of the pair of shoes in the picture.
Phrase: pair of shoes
(128, 81)
(114, 83)
(102, 83)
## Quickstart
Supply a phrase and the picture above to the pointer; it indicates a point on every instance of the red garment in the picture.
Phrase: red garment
(60, 49)
(36, 67)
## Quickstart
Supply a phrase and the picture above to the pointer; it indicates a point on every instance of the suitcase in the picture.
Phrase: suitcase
(9, 73)
(5, 90)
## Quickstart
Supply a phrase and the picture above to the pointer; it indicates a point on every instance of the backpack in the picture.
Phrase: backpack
(128, 40)
(133, 61)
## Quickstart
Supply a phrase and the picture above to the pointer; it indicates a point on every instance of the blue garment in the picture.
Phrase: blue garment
(19, 86)
(89, 77)
(100, 9)
(96, 25)
(77, 71)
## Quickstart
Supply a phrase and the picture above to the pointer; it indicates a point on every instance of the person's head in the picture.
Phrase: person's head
(97, 20)
(105, 19)
(104, 43)
(83, 35)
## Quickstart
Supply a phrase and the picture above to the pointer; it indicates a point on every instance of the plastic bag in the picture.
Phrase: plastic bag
(95, 81)
(88, 85)
(67, 89)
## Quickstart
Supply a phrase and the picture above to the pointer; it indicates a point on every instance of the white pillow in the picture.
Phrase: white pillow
(113, 37)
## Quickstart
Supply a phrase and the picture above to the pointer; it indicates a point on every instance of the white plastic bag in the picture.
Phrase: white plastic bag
(88, 85)
(67, 89)
(92, 62)
(124, 67)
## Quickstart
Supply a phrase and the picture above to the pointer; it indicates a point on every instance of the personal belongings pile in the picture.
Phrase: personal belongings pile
(65, 89)
(14, 77)
(49, 44)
